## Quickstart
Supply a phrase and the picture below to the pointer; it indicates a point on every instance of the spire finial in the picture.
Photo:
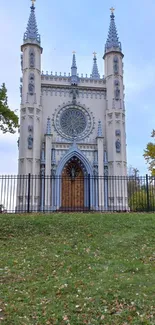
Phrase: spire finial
(112, 10)
(33, 2)
(94, 53)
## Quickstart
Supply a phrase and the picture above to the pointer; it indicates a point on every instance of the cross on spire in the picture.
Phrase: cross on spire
(31, 33)
(112, 39)
(112, 10)
(33, 2)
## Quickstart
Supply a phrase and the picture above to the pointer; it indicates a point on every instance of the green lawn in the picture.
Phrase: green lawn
(77, 269)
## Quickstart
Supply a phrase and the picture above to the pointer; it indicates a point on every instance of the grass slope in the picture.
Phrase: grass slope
(77, 269)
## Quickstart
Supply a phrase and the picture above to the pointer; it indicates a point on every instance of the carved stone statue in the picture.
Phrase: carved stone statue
(31, 84)
(74, 93)
(30, 142)
(31, 88)
(118, 146)
(117, 93)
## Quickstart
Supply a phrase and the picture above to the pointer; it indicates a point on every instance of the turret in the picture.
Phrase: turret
(31, 110)
(115, 113)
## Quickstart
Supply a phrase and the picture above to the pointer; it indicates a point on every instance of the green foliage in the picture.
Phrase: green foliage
(133, 183)
(149, 154)
(77, 269)
(141, 201)
(8, 118)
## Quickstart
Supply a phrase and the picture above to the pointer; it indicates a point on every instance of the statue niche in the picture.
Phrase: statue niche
(30, 142)
(32, 58)
(117, 89)
(118, 146)
(31, 84)
(116, 65)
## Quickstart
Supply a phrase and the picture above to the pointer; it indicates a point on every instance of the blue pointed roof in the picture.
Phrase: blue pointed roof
(74, 77)
(95, 74)
(112, 39)
(31, 34)
(74, 62)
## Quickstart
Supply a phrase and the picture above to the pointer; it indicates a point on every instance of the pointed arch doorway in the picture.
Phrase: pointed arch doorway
(73, 183)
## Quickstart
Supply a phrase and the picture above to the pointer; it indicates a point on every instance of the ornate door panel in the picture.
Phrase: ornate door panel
(72, 195)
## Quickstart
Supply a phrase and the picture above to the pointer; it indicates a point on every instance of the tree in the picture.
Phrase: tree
(149, 154)
(143, 200)
(8, 118)
(133, 183)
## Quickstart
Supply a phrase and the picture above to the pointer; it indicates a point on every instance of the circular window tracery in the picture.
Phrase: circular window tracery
(73, 121)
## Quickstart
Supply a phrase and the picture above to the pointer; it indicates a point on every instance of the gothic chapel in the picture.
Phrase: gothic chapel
(72, 129)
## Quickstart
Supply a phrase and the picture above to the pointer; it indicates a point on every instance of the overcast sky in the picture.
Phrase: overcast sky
(67, 25)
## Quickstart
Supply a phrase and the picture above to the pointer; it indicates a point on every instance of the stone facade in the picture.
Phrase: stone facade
(66, 116)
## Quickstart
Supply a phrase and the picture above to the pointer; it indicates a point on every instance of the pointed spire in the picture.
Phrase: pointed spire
(43, 154)
(95, 74)
(48, 128)
(74, 77)
(112, 39)
(99, 131)
(31, 33)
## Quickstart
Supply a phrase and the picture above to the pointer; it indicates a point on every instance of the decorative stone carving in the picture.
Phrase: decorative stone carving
(118, 146)
(116, 64)
(118, 133)
(31, 84)
(117, 89)
(30, 128)
(74, 92)
(32, 58)
(31, 110)
(99, 131)
(30, 142)
(73, 121)
(117, 93)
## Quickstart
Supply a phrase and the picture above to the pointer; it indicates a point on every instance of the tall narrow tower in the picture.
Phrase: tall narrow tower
(31, 108)
(115, 110)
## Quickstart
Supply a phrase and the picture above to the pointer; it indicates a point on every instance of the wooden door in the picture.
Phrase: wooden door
(72, 186)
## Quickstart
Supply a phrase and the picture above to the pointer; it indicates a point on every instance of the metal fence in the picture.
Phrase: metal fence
(40, 193)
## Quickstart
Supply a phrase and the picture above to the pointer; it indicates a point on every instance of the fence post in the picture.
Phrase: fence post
(28, 195)
(89, 191)
(147, 193)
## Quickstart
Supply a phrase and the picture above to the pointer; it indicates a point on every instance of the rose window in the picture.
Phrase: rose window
(72, 122)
